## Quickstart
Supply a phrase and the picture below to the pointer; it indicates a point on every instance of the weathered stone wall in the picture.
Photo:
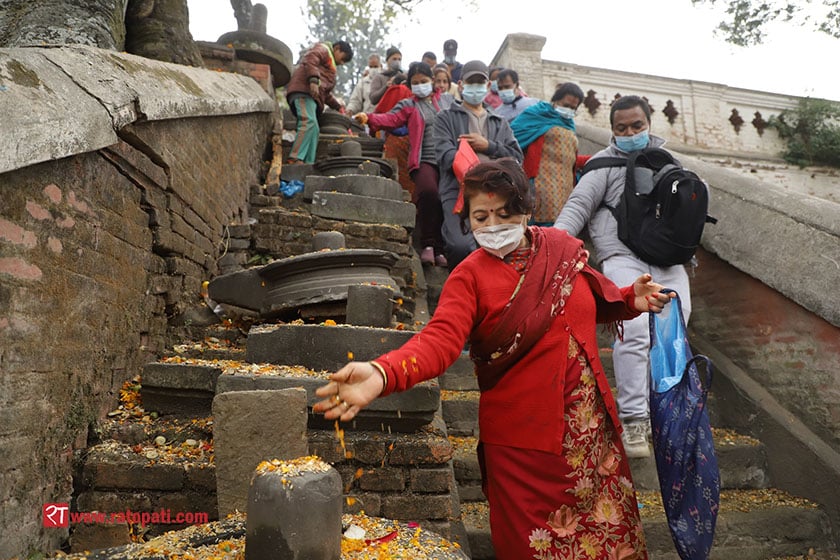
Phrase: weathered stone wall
(701, 110)
(102, 245)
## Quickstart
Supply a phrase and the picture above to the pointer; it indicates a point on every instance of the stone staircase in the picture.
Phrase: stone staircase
(157, 450)
(414, 459)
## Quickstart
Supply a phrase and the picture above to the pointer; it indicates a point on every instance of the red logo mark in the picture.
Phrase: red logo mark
(56, 515)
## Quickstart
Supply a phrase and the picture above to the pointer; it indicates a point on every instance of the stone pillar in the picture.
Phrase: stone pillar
(249, 427)
(523, 52)
(294, 511)
(97, 23)
(370, 305)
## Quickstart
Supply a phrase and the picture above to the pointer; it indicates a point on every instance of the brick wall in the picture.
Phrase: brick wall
(99, 253)
(790, 351)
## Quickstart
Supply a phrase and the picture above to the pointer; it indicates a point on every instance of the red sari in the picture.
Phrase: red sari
(554, 470)
(580, 504)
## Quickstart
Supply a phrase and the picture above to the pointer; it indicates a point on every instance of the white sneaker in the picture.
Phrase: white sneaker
(635, 439)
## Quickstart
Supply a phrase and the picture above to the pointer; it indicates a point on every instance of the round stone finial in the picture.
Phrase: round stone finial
(351, 148)
(328, 240)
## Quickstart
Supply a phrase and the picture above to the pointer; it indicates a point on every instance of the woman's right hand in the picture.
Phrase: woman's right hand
(360, 118)
(350, 389)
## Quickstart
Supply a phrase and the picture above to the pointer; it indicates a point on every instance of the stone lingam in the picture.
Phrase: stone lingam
(252, 44)
(296, 286)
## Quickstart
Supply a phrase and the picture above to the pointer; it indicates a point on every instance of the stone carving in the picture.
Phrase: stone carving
(252, 44)
(736, 121)
(670, 111)
(649, 104)
(759, 123)
(242, 13)
(591, 102)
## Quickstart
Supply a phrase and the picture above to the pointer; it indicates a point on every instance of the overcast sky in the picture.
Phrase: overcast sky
(658, 37)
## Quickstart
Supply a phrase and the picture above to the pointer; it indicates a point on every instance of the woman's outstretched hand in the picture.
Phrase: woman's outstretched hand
(350, 389)
(648, 296)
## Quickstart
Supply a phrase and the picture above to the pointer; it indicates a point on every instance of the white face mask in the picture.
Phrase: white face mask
(422, 90)
(499, 240)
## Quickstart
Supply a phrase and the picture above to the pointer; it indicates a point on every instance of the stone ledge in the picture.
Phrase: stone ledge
(355, 208)
(94, 92)
(363, 185)
(321, 347)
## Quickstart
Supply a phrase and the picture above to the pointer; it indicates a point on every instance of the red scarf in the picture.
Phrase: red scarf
(540, 295)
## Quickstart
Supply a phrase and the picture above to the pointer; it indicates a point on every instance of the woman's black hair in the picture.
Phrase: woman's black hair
(628, 102)
(419, 68)
(503, 177)
(569, 88)
(508, 73)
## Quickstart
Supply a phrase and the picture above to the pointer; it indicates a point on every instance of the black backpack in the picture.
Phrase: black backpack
(663, 208)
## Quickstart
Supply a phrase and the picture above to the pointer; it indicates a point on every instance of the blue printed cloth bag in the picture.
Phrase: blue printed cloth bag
(689, 478)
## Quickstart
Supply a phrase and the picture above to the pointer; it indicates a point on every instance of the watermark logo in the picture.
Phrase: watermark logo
(56, 515)
(59, 515)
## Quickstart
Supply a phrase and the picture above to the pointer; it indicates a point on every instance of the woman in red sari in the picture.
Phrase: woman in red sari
(554, 470)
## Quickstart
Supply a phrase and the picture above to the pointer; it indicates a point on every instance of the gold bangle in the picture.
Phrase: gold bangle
(381, 371)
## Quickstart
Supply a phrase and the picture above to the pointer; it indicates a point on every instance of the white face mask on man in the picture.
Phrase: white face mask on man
(500, 240)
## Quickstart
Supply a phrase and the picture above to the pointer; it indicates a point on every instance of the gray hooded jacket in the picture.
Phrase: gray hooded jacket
(584, 207)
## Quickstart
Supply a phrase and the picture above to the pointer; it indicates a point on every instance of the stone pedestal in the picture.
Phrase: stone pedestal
(287, 285)
(294, 511)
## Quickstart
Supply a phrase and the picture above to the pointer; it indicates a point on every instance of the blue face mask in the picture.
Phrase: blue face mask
(494, 86)
(507, 95)
(474, 93)
(422, 90)
(566, 112)
(633, 143)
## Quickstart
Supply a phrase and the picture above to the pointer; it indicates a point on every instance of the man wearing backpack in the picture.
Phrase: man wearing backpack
(590, 204)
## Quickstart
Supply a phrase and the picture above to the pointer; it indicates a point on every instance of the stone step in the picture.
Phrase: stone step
(460, 376)
(742, 462)
(226, 539)
(321, 346)
(752, 525)
(362, 185)
(406, 411)
(208, 349)
(460, 412)
(180, 387)
(188, 385)
(355, 208)
(404, 476)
